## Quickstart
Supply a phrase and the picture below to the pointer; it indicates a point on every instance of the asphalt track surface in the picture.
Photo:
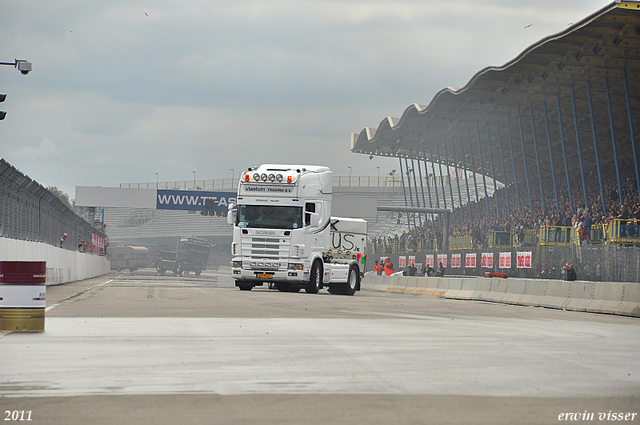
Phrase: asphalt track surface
(138, 348)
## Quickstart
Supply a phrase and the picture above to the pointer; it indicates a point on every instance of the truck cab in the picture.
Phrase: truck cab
(283, 232)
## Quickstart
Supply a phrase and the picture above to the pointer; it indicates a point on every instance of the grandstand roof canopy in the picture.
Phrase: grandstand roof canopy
(566, 78)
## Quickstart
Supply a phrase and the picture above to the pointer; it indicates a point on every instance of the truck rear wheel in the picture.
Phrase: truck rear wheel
(353, 280)
(315, 280)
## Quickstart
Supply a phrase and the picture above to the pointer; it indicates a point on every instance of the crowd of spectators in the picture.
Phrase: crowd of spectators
(529, 211)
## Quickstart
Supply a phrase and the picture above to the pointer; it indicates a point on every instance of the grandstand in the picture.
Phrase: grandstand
(558, 125)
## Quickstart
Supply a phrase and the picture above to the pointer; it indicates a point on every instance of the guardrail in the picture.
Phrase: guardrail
(601, 297)
(623, 232)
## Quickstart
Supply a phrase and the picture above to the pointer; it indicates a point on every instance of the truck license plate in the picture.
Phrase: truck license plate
(264, 275)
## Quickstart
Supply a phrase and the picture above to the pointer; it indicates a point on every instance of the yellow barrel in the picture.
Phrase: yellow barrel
(22, 319)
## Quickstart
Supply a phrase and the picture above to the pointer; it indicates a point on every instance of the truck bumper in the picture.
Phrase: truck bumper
(270, 275)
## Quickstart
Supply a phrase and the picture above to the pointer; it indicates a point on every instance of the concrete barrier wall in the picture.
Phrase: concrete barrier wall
(596, 297)
(62, 265)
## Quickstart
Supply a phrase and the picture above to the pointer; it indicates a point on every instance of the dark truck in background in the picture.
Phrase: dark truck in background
(192, 254)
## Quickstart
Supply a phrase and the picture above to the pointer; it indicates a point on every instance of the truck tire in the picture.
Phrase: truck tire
(283, 286)
(353, 280)
(160, 268)
(244, 286)
(315, 279)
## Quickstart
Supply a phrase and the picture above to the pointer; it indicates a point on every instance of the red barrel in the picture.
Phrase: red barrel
(23, 272)
(22, 295)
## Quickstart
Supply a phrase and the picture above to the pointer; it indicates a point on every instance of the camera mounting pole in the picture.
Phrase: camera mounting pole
(22, 65)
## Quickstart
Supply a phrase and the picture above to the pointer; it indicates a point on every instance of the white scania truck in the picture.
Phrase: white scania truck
(284, 234)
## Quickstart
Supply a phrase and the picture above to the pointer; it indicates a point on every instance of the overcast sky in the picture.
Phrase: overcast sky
(121, 90)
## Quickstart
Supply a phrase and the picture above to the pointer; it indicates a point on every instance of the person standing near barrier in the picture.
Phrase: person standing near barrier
(430, 271)
(586, 221)
(388, 267)
(62, 239)
(411, 270)
(583, 234)
(377, 268)
(569, 273)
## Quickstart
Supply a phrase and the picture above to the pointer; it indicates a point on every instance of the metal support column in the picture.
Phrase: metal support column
(513, 164)
(444, 192)
(445, 219)
(504, 172)
(524, 160)
(424, 202)
(435, 184)
(415, 186)
(453, 204)
(466, 179)
(453, 149)
(553, 172)
(484, 174)
(613, 137)
(475, 181)
(575, 124)
(404, 191)
(633, 137)
(535, 146)
(493, 171)
(564, 154)
(408, 171)
(426, 171)
(595, 148)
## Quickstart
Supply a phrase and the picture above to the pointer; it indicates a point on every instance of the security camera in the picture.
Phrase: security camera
(23, 66)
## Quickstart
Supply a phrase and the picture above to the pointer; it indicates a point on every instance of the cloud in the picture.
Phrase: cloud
(47, 149)
(211, 86)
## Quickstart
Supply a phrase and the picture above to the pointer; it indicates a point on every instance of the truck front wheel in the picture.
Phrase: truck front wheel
(315, 280)
(243, 285)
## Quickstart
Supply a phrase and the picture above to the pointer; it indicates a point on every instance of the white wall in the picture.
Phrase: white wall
(62, 265)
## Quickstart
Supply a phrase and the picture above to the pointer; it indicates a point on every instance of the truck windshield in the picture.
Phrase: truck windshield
(269, 217)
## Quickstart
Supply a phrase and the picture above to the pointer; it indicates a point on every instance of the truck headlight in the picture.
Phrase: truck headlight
(295, 266)
(236, 264)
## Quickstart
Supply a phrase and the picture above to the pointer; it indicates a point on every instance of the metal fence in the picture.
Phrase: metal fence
(596, 263)
(28, 211)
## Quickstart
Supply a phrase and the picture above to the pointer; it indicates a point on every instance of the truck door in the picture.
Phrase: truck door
(315, 236)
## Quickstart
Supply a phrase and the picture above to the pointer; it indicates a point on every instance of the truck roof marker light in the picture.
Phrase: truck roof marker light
(279, 178)
(256, 177)
(272, 177)
(289, 179)
(246, 177)
(263, 177)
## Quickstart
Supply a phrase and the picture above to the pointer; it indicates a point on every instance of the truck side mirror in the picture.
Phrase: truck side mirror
(315, 220)
(231, 214)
